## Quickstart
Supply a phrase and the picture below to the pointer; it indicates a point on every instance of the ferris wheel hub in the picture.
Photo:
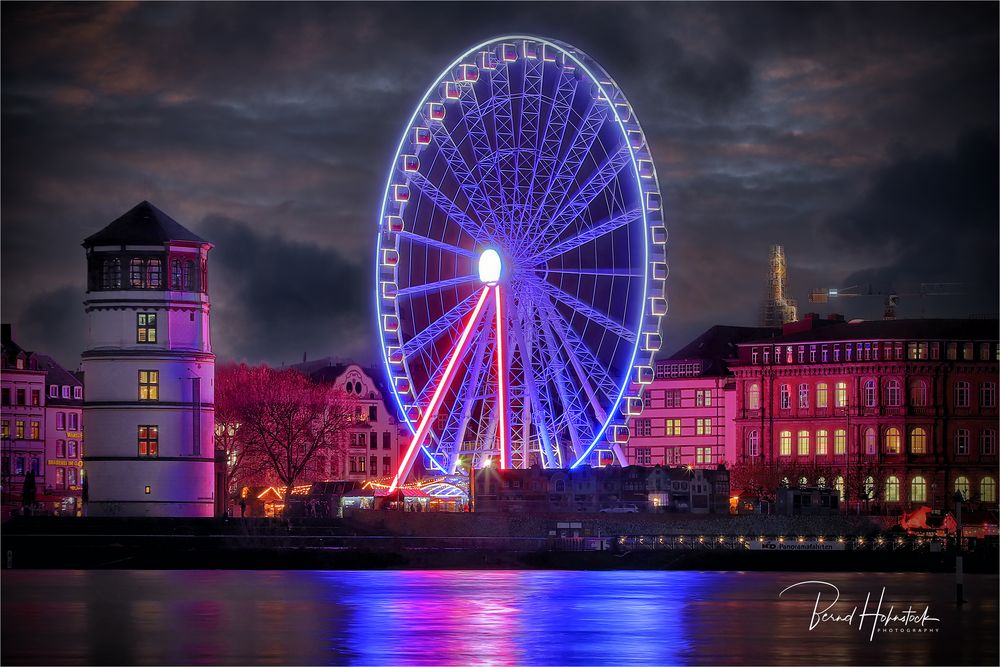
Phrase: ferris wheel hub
(490, 266)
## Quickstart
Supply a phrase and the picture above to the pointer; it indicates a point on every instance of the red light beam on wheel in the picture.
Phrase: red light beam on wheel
(449, 370)
(502, 423)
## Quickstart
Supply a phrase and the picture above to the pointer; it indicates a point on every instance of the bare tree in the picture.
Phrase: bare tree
(285, 420)
(245, 466)
(756, 477)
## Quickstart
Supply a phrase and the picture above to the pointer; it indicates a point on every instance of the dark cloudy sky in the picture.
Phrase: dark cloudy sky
(862, 137)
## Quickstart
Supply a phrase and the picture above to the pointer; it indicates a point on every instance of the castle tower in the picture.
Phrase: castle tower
(777, 308)
(149, 369)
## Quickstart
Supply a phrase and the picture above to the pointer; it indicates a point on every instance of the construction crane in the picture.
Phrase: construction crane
(891, 296)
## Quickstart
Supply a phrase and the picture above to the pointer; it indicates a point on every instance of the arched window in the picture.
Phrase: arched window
(892, 441)
(822, 442)
(840, 395)
(918, 490)
(870, 394)
(892, 489)
(871, 442)
(839, 442)
(803, 443)
(783, 483)
(988, 490)
(838, 483)
(918, 394)
(918, 441)
(868, 488)
(962, 441)
(821, 482)
(753, 443)
(988, 395)
(962, 486)
(154, 273)
(753, 397)
(892, 393)
(111, 273)
(803, 482)
(822, 395)
(785, 443)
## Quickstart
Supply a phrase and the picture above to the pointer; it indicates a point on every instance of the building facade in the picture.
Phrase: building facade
(22, 420)
(149, 369)
(893, 414)
(375, 437)
(688, 409)
(64, 444)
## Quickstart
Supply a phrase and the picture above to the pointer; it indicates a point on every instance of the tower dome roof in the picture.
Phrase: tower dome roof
(143, 224)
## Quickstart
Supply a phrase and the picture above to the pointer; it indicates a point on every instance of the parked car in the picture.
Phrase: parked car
(630, 509)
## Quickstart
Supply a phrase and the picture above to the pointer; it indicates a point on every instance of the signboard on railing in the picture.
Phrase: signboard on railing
(794, 545)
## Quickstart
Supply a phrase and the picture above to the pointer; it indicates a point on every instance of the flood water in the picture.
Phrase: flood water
(486, 617)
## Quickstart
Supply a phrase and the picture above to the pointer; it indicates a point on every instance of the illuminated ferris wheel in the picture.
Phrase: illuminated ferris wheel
(521, 262)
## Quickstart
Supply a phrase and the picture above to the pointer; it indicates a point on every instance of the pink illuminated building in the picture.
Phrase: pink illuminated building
(895, 414)
(688, 409)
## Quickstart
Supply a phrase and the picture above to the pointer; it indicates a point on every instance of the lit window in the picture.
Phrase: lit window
(840, 442)
(137, 273)
(961, 394)
(962, 441)
(803, 396)
(60, 478)
(154, 271)
(967, 352)
(803, 449)
(71, 449)
(838, 484)
(822, 395)
(840, 395)
(703, 455)
(822, 442)
(785, 443)
(988, 442)
(892, 440)
(19, 429)
(703, 426)
(753, 444)
(988, 490)
(871, 442)
(149, 385)
(870, 394)
(918, 441)
(984, 351)
(951, 351)
(784, 397)
(149, 439)
(5, 429)
(962, 486)
(868, 488)
(146, 327)
(753, 397)
(36, 430)
(71, 479)
(988, 395)
(672, 427)
(892, 489)
(36, 397)
(892, 393)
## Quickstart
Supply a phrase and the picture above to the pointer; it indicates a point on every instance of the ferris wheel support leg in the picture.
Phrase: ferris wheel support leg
(502, 397)
(425, 421)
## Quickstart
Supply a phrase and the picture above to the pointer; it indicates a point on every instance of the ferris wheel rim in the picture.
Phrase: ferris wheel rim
(594, 73)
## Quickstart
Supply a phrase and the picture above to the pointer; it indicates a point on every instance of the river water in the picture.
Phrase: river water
(463, 618)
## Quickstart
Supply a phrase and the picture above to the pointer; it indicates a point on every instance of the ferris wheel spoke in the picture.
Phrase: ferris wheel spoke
(434, 286)
(551, 140)
(467, 181)
(536, 405)
(472, 115)
(600, 179)
(527, 139)
(506, 148)
(565, 388)
(503, 379)
(443, 384)
(443, 202)
(448, 320)
(588, 311)
(592, 233)
(575, 346)
(440, 245)
(565, 174)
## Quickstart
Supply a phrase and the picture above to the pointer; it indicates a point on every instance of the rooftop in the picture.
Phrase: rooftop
(718, 344)
(902, 330)
(144, 224)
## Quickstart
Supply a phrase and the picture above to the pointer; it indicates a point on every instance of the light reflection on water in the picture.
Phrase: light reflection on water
(474, 617)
